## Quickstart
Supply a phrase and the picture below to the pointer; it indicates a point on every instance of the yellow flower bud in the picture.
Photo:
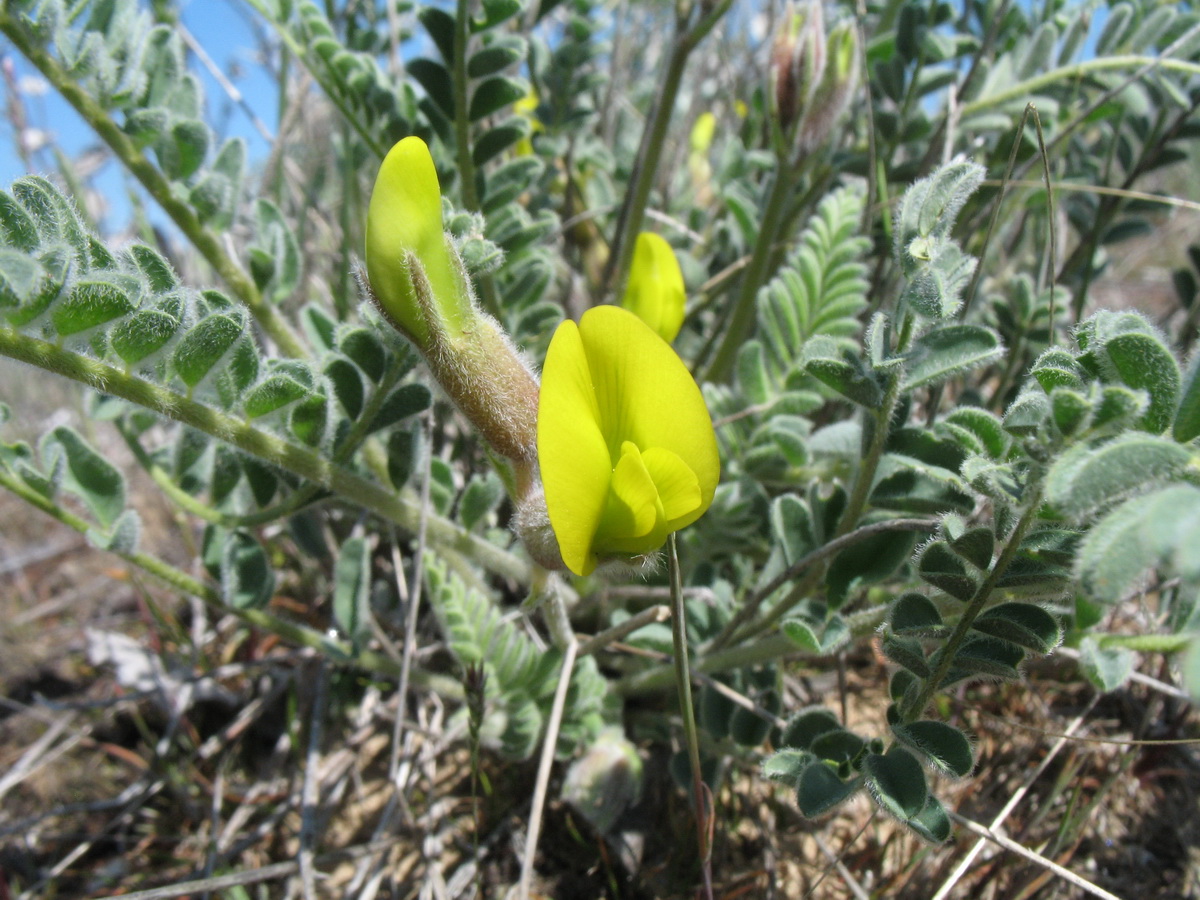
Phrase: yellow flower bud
(419, 283)
(654, 291)
(414, 272)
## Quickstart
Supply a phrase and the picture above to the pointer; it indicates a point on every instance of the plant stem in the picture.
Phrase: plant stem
(855, 506)
(331, 93)
(982, 594)
(683, 682)
(268, 447)
(1031, 86)
(547, 758)
(750, 607)
(745, 306)
(645, 167)
(157, 185)
(185, 584)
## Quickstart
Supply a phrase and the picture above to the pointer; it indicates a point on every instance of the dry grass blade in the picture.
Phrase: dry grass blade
(1024, 852)
(961, 869)
(549, 743)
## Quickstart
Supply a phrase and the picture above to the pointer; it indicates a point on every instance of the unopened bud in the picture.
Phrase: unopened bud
(654, 291)
(797, 59)
(420, 285)
(413, 270)
(833, 93)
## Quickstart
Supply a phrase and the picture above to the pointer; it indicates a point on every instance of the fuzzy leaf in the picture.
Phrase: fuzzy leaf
(943, 745)
(837, 745)
(868, 562)
(1022, 624)
(347, 385)
(143, 334)
(807, 725)
(406, 400)
(247, 580)
(271, 394)
(1085, 480)
(1143, 362)
(988, 656)
(205, 345)
(480, 497)
(820, 790)
(976, 547)
(906, 652)
(1187, 418)
(352, 590)
(364, 349)
(494, 94)
(787, 765)
(932, 823)
(496, 140)
(1162, 528)
(87, 474)
(984, 425)
(896, 782)
(17, 227)
(948, 352)
(499, 55)
(914, 613)
(157, 271)
(940, 566)
(89, 305)
(1108, 668)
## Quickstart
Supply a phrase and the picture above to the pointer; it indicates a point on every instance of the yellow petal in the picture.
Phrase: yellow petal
(654, 292)
(632, 509)
(404, 222)
(645, 394)
(676, 484)
(703, 130)
(575, 462)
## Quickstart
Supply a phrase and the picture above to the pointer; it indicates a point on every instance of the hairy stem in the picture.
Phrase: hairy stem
(755, 275)
(157, 185)
(645, 167)
(914, 709)
(270, 448)
(683, 683)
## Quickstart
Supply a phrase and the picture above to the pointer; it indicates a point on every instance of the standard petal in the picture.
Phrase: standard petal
(405, 217)
(574, 458)
(646, 395)
(654, 291)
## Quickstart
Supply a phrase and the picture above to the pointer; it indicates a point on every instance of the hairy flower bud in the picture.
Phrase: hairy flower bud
(419, 284)
(413, 270)
(797, 59)
(833, 92)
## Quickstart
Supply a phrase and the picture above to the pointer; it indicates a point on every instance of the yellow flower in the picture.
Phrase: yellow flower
(654, 292)
(414, 273)
(625, 442)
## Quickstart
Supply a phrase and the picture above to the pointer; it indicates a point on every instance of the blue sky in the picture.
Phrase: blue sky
(226, 29)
